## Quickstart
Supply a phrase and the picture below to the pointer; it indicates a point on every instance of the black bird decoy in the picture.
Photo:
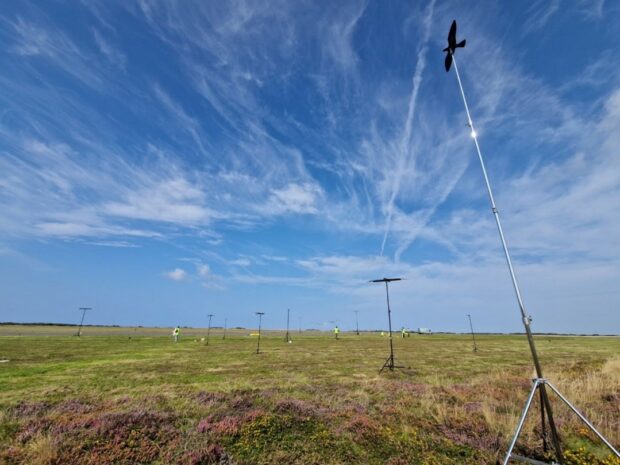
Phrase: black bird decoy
(452, 45)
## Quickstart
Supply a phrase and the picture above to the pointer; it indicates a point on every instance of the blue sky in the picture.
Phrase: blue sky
(160, 161)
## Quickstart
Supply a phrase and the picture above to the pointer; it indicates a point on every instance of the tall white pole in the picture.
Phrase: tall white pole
(513, 277)
(526, 320)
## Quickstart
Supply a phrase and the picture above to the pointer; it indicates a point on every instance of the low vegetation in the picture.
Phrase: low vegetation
(137, 399)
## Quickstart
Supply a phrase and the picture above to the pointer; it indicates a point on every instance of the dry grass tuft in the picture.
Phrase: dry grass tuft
(595, 393)
(42, 450)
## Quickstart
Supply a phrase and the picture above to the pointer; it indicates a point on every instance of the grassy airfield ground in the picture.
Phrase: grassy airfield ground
(132, 396)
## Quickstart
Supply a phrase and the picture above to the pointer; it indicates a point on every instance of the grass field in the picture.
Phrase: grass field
(131, 396)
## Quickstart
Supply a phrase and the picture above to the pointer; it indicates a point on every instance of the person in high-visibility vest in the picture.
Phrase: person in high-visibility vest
(175, 334)
(403, 332)
(336, 331)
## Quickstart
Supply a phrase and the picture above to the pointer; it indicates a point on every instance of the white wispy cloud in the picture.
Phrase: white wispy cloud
(275, 258)
(178, 274)
(540, 13)
(294, 198)
(173, 201)
(338, 36)
(42, 39)
(203, 269)
(406, 159)
(112, 54)
(243, 262)
(32, 40)
(270, 279)
(116, 244)
(179, 115)
(69, 230)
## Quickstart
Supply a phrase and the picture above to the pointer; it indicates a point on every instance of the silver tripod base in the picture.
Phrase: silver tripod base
(536, 384)
(390, 365)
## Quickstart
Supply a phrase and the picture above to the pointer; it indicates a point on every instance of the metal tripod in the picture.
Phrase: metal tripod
(83, 310)
(260, 320)
(389, 363)
(537, 385)
(540, 383)
(287, 338)
(210, 315)
(473, 336)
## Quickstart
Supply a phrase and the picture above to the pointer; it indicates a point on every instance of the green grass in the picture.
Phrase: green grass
(137, 398)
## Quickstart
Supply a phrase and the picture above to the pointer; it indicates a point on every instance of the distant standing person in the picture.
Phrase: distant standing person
(336, 331)
(175, 334)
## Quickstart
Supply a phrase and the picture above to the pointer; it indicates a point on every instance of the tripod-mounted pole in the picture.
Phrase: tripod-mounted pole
(473, 336)
(210, 315)
(540, 382)
(389, 363)
(225, 327)
(84, 310)
(357, 326)
(287, 338)
(260, 320)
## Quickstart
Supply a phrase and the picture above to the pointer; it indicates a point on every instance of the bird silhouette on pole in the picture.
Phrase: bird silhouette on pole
(452, 45)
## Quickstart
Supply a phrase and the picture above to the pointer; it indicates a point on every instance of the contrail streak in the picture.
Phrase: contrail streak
(405, 142)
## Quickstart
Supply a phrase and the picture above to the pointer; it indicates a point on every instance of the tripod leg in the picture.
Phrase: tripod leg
(555, 437)
(384, 365)
(582, 418)
(535, 386)
(542, 422)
